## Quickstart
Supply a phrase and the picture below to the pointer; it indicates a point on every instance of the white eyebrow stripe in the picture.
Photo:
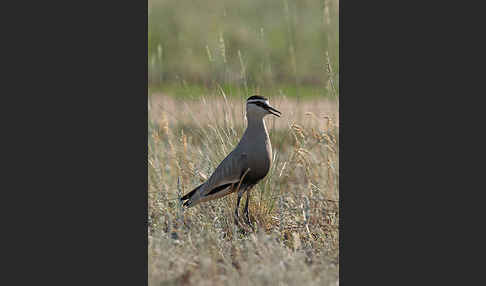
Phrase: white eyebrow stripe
(258, 100)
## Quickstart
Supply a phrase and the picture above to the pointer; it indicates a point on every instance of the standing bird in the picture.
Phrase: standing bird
(245, 166)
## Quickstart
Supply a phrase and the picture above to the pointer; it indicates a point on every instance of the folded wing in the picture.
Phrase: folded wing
(228, 172)
(221, 182)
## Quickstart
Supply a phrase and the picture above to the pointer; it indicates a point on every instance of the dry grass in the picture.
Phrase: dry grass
(312, 111)
(294, 208)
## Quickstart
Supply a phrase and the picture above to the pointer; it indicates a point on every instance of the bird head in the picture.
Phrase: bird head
(258, 106)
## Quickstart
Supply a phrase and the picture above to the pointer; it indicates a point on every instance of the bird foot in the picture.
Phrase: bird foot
(245, 227)
(248, 222)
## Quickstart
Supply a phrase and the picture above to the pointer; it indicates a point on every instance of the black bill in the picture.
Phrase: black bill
(273, 111)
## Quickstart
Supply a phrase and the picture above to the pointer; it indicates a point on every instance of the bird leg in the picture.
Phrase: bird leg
(240, 194)
(237, 216)
(247, 215)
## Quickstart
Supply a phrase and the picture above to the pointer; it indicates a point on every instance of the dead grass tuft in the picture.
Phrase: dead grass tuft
(294, 209)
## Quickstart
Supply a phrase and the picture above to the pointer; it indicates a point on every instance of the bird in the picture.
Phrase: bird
(243, 167)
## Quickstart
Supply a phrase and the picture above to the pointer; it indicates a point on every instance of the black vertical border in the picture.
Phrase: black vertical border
(79, 112)
(406, 71)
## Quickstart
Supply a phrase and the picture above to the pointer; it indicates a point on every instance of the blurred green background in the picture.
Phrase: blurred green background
(284, 46)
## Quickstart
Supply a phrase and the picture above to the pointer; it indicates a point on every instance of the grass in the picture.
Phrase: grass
(194, 91)
(294, 208)
(204, 60)
(242, 43)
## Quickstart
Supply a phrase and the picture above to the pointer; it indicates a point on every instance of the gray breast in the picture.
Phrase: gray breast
(259, 160)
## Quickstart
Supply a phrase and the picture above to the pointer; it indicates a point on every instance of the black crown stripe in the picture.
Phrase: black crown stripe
(256, 97)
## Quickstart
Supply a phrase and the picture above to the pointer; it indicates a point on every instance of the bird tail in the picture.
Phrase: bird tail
(186, 199)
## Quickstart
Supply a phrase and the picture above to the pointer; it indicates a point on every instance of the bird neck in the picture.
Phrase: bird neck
(256, 123)
(256, 131)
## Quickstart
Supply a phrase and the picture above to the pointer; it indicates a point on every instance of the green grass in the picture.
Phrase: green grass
(253, 43)
(194, 91)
